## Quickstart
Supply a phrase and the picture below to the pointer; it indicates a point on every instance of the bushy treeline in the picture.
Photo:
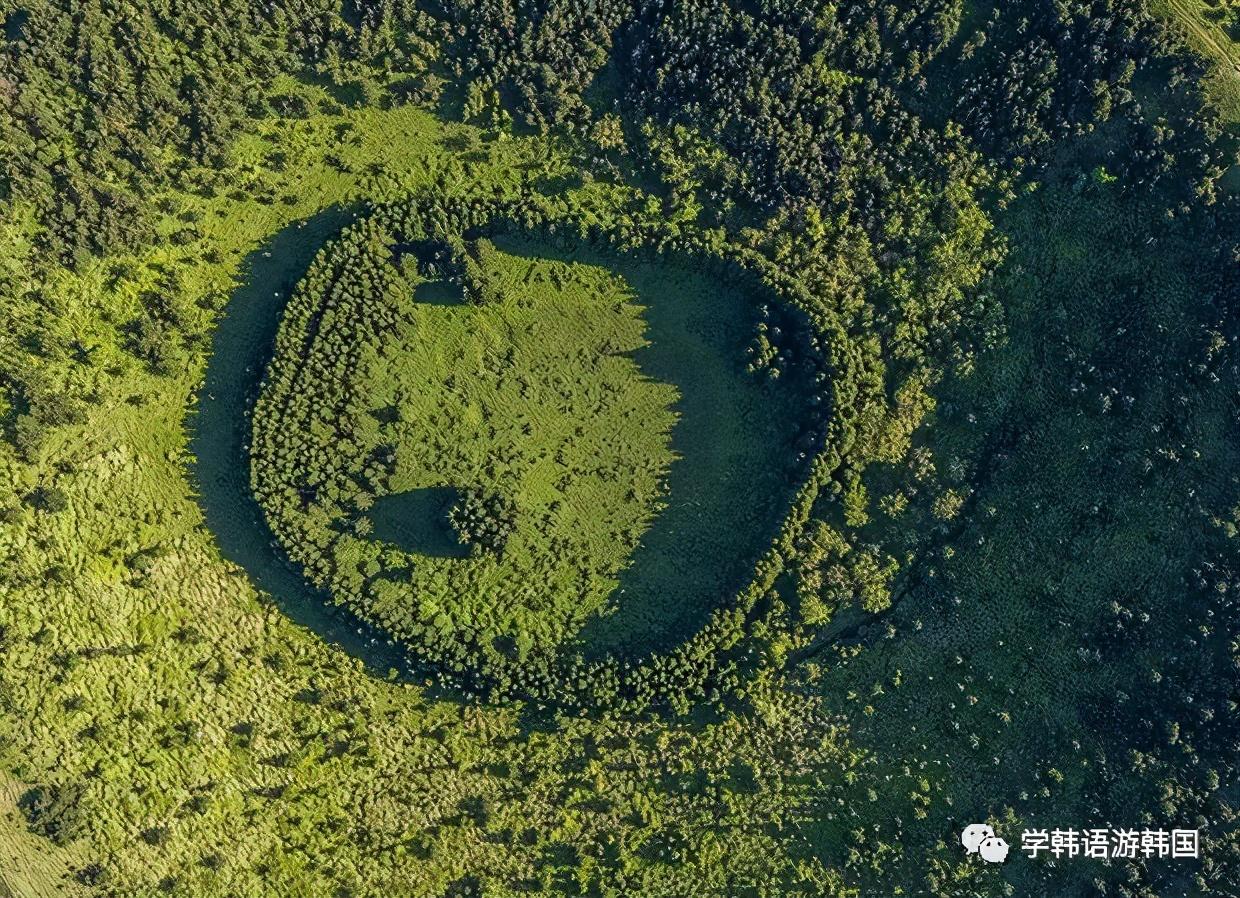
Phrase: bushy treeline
(1061, 69)
(803, 99)
(1069, 525)
(103, 102)
(811, 106)
(537, 57)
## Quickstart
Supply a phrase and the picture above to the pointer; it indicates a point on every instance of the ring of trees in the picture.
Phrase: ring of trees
(312, 478)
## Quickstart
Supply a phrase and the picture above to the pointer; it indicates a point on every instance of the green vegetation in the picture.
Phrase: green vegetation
(1094, 422)
(31, 866)
(629, 448)
(1212, 28)
(528, 398)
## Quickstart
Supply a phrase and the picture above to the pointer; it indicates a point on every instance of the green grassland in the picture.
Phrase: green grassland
(856, 411)
(1210, 27)
(203, 742)
(30, 867)
(564, 392)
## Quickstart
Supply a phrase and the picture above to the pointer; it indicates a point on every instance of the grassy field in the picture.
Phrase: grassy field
(606, 402)
(30, 866)
(260, 758)
(1209, 27)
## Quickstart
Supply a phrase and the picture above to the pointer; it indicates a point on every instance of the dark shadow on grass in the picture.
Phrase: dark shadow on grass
(417, 521)
(439, 293)
(736, 470)
(220, 430)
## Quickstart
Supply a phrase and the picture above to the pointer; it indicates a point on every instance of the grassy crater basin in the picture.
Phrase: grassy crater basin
(499, 447)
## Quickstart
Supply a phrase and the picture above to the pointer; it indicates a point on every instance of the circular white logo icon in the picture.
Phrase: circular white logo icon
(973, 836)
(993, 850)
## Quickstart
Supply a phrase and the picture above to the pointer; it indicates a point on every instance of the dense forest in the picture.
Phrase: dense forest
(636, 447)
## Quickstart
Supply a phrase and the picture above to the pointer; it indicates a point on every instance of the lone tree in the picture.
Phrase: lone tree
(50, 498)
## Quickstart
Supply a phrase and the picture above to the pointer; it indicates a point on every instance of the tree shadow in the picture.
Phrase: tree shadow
(416, 521)
(439, 293)
(242, 346)
(735, 472)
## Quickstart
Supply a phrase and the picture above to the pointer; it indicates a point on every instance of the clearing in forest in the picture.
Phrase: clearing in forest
(494, 443)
